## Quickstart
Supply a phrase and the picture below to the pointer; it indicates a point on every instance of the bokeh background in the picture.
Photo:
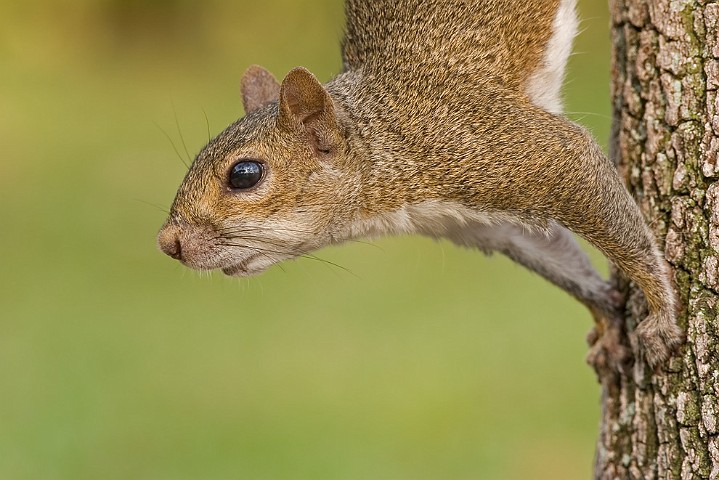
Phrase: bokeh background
(424, 361)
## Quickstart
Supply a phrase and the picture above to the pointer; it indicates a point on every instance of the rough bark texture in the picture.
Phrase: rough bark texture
(665, 425)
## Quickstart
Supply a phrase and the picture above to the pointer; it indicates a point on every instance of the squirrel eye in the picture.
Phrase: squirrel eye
(245, 174)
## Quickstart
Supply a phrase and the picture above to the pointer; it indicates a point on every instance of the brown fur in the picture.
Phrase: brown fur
(429, 129)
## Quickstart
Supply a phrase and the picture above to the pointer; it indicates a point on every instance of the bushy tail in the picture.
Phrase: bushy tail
(545, 83)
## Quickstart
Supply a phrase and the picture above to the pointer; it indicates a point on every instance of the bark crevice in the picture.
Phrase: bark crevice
(665, 66)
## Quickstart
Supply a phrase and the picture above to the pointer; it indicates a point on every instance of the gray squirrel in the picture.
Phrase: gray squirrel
(445, 121)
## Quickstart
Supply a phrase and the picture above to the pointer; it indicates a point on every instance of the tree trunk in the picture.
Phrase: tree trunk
(665, 424)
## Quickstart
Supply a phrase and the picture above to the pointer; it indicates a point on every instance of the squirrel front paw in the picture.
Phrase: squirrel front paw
(658, 336)
(607, 352)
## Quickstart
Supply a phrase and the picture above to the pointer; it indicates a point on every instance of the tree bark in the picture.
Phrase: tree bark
(665, 424)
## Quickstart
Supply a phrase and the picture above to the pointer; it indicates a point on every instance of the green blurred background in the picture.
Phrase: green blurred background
(425, 362)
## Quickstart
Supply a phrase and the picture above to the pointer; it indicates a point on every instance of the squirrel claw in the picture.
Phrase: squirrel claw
(607, 351)
(658, 337)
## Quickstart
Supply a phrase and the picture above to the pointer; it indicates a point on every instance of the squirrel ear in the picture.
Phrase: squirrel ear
(305, 103)
(258, 87)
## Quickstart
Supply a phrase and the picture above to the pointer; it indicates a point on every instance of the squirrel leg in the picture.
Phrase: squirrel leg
(555, 255)
(658, 334)
(614, 225)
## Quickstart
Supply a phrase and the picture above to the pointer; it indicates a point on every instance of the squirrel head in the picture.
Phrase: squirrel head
(272, 186)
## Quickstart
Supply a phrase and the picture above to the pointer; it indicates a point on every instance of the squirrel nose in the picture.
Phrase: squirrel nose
(169, 241)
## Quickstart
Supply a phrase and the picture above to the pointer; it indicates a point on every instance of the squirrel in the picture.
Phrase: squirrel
(444, 121)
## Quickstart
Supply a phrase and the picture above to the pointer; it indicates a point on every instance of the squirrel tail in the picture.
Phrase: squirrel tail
(545, 83)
